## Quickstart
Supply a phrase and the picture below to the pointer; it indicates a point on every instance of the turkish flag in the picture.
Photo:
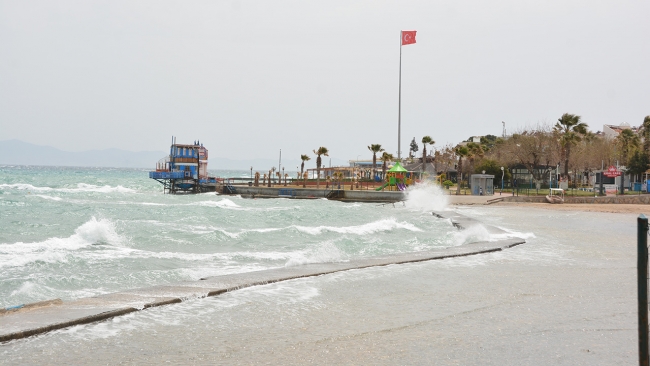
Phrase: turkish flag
(408, 37)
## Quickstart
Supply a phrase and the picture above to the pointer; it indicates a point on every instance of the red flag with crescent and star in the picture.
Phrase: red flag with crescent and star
(408, 37)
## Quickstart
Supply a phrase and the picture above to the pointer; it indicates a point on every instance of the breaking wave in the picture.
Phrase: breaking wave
(57, 249)
(365, 229)
(81, 187)
(325, 253)
(48, 197)
(426, 197)
(224, 203)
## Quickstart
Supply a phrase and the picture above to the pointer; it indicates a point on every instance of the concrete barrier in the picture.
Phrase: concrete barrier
(333, 194)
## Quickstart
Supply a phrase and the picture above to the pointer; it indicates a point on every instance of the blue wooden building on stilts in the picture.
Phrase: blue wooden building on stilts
(184, 170)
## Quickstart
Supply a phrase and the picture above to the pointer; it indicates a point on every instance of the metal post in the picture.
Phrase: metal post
(399, 107)
(602, 168)
(642, 283)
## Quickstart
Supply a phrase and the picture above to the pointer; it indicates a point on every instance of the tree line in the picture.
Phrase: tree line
(568, 144)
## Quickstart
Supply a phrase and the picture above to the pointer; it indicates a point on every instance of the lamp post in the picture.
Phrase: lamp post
(251, 174)
(622, 181)
(502, 174)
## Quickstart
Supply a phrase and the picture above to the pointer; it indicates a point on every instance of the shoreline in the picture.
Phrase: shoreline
(619, 208)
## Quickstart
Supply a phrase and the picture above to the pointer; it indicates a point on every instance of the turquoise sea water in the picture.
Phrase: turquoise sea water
(565, 297)
(76, 232)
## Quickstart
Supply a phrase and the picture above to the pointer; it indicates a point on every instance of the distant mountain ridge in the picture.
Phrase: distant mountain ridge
(16, 152)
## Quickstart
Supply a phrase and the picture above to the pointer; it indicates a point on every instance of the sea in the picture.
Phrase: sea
(68, 233)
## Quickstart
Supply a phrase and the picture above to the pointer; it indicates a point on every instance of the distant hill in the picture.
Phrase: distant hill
(16, 152)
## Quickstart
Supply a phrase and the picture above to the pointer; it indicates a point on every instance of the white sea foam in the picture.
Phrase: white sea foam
(25, 186)
(27, 288)
(237, 235)
(479, 232)
(471, 234)
(48, 197)
(81, 187)
(365, 229)
(324, 253)
(512, 234)
(426, 197)
(223, 203)
(57, 249)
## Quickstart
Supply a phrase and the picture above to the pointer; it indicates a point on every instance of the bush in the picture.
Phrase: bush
(447, 184)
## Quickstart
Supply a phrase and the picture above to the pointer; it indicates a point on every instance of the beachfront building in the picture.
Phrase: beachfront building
(482, 184)
(185, 169)
(612, 131)
(522, 178)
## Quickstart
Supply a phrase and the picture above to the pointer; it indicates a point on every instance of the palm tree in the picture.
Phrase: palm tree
(257, 179)
(474, 151)
(304, 179)
(628, 142)
(385, 157)
(461, 152)
(571, 130)
(321, 151)
(375, 148)
(646, 135)
(425, 140)
(270, 176)
(302, 165)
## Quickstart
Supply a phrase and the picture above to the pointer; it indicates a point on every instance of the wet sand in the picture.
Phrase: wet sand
(623, 208)
(585, 207)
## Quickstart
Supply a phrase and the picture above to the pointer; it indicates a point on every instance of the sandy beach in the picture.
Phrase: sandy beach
(624, 208)
(586, 207)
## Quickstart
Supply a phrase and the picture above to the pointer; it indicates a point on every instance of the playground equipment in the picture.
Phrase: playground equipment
(397, 178)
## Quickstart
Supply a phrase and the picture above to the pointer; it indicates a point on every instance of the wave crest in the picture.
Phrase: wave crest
(224, 203)
(365, 229)
(81, 187)
(426, 197)
(57, 249)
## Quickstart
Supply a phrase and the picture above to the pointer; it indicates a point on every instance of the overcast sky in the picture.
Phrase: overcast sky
(248, 78)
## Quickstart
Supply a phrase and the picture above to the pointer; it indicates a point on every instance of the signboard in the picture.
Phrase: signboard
(612, 172)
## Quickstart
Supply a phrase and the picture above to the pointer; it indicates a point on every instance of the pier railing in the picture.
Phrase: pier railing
(166, 175)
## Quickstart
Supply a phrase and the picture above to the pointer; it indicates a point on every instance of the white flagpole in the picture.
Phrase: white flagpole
(399, 108)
